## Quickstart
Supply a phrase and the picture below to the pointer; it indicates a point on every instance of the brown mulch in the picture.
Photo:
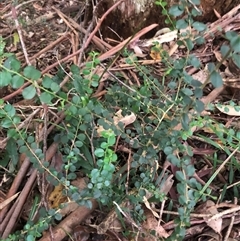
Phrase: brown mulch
(53, 38)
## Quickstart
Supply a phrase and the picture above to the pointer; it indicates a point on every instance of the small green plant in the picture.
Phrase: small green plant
(160, 105)
(101, 177)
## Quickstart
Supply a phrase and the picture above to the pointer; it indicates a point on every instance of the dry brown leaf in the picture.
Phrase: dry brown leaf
(201, 76)
(147, 204)
(152, 224)
(126, 120)
(210, 235)
(229, 110)
(138, 52)
(215, 224)
(167, 185)
(56, 197)
(7, 201)
(162, 36)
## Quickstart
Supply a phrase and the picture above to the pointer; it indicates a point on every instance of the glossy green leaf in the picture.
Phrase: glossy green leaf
(10, 110)
(12, 151)
(198, 92)
(31, 73)
(75, 69)
(194, 61)
(6, 123)
(187, 91)
(46, 97)
(181, 24)
(78, 143)
(176, 10)
(29, 92)
(30, 237)
(55, 87)
(5, 78)
(199, 106)
(236, 59)
(216, 79)
(15, 64)
(224, 50)
(99, 152)
(46, 82)
(17, 81)
(189, 44)
(199, 26)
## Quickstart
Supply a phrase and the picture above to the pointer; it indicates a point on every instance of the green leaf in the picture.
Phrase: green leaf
(187, 91)
(224, 50)
(99, 152)
(30, 237)
(6, 123)
(12, 133)
(114, 157)
(199, 26)
(198, 92)
(78, 144)
(73, 110)
(216, 79)
(10, 110)
(200, 40)
(176, 10)
(195, 2)
(55, 87)
(75, 69)
(46, 82)
(31, 73)
(71, 176)
(86, 71)
(5, 78)
(234, 39)
(181, 24)
(12, 63)
(194, 61)
(180, 176)
(211, 67)
(15, 64)
(111, 140)
(189, 44)
(17, 81)
(12, 151)
(190, 170)
(168, 150)
(195, 12)
(199, 106)
(46, 98)
(81, 137)
(29, 92)
(94, 83)
(104, 145)
(76, 99)
(236, 59)
(185, 121)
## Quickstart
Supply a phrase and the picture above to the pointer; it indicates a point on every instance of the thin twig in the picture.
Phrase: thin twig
(14, 15)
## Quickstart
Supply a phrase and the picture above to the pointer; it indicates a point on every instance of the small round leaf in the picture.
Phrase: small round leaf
(29, 92)
(31, 73)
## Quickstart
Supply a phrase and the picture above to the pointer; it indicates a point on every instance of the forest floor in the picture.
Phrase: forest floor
(52, 36)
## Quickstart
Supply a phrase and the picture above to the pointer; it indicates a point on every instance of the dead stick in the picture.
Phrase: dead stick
(24, 194)
(15, 185)
(67, 225)
(129, 40)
